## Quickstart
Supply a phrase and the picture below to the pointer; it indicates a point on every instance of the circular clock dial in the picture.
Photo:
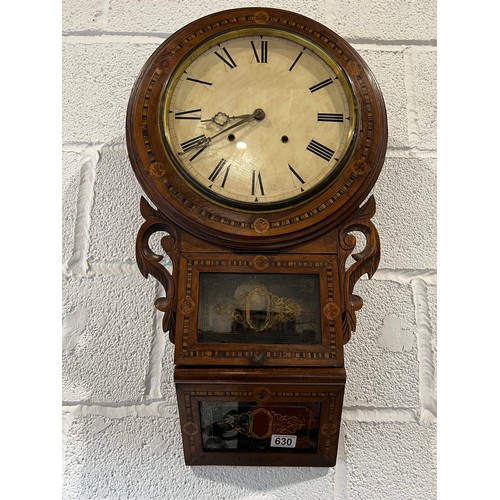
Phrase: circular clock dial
(258, 119)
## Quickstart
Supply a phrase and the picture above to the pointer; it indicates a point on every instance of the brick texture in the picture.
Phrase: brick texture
(121, 430)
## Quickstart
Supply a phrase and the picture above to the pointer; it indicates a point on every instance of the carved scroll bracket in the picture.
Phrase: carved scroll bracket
(365, 261)
(149, 262)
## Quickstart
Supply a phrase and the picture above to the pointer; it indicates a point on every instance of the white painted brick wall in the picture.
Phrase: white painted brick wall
(121, 437)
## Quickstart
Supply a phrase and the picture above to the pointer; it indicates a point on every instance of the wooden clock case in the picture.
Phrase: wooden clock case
(269, 388)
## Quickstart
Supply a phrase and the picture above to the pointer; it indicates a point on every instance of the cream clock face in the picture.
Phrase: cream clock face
(258, 119)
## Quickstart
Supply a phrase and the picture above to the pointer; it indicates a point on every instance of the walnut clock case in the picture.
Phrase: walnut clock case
(257, 134)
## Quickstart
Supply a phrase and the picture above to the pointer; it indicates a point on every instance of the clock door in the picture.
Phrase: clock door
(258, 310)
(267, 418)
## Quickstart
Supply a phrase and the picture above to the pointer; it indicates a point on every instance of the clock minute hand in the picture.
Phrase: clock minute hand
(258, 115)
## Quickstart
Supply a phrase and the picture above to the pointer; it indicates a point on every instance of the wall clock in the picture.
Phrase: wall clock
(257, 134)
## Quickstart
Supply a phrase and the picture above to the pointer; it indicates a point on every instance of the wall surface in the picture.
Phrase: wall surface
(121, 434)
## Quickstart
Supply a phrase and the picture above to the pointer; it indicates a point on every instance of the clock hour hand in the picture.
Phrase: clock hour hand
(221, 118)
(203, 142)
(258, 114)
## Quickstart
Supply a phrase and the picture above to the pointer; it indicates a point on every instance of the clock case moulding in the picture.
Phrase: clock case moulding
(205, 233)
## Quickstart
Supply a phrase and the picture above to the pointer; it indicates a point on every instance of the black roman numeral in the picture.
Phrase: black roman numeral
(200, 142)
(321, 85)
(320, 150)
(192, 143)
(229, 61)
(263, 51)
(331, 117)
(257, 183)
(225, 176)
(198, 81)
(192, 114)
(296, 175)
(296, 60)
(217, 170)
(198, 152)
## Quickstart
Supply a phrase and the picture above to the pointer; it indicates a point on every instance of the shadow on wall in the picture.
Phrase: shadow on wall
(260, 478)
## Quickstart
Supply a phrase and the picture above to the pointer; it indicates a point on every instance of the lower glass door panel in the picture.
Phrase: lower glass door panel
(260, 416)
(247, 426)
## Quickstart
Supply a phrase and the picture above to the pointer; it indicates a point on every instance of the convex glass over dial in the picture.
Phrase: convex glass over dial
(258, 119)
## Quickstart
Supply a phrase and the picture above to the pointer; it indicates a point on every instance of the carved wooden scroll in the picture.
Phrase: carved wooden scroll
(150, 262)
(366, 261)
